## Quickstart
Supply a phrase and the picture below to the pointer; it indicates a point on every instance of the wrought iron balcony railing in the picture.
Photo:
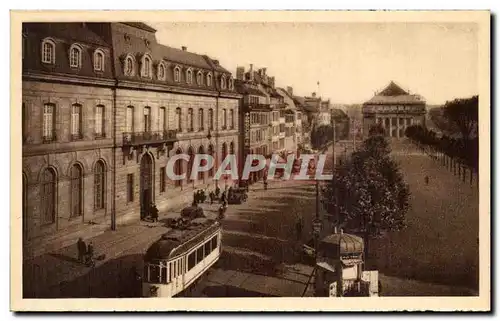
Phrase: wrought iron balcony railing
(139, 138)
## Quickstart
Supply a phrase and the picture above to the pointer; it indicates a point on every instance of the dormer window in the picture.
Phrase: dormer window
(231, 84)
(98, 60)
(48, 51)
(209, 80)
(75, 56)
(146, 67)
(199, 78)
(223, 82)
(129, 67)
(189, 76)
(161, 71)
(177, 74)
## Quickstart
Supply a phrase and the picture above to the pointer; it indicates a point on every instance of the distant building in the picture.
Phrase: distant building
(395, 109)
(325, 113)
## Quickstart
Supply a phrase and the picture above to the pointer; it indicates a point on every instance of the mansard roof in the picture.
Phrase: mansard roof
(393, 95)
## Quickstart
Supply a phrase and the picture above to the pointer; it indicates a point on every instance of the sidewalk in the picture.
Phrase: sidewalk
(45, 275)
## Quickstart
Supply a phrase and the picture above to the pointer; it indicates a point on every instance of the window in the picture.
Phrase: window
(231, 118)
(99, 185)
(98, 60)
(209, 80)
(76, 121)
(214, 242)
(207, 247)
(161, 119)
(147, 119)
(146, 67)
(162, 179)
(48, 51)
(200, 119)
(190, 120)
(231, 84)
(211, 153)
(75, 56)
(211, 119)
(76, 191)
(99, 123)
(130, 188)
(190, 164)
(189, 76)
(223, 82)
(199, 78)
(48, 122)
(129, 122)
(178, 169)
(49, 196)
(178, 118)
(161, 71)
(129, 66)
(177, 74)
(201, 175)
(191, 260)
(199, 255)
(224, 119)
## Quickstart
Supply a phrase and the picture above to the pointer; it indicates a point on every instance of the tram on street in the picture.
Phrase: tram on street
(175, 262)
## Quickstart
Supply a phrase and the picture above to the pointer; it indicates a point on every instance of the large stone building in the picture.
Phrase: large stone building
(395, 109)
(105, 106)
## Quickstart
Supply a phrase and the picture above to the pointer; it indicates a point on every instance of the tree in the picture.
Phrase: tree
(368, 195)
(321, 135)
(464, 114)
(376, 129)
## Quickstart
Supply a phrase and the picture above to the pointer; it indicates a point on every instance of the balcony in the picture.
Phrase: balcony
(146, 138)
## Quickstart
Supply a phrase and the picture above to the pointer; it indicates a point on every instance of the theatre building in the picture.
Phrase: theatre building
(395, 109)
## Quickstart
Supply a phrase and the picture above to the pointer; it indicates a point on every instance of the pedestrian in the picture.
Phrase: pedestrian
(223, 197)
(265, 184)
(203, 196)
(90, 253)
(154, 213)
(195, 196)
(426, 180)
(211, 195)
(298, 228)
(82, 248)
(217, 191)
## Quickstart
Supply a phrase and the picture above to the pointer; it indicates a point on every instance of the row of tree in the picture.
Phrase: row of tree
(368, 194)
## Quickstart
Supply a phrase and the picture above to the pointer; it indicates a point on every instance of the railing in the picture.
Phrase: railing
(149, 137)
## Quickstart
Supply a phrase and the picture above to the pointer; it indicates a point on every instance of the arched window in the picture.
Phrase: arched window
(129, 66)
(201, 175)
(99, 185)
(199, 78)
(189, 76)
(49, 187)
(190, 120)
(75, 56)
(178, 118)
(231, 118)
(224, 119)
(231, 84)
(48, 51)
(211, 119)
(177, 74)
(76, 190)
(161, 71)
(201, 120)
(209, 80)
(211, 153)
(223, 82)
(99, 60)
(178, 168)
(146, 67)
(190, 164)
(231, 148)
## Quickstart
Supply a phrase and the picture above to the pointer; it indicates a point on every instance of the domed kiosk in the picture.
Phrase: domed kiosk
(339, 267)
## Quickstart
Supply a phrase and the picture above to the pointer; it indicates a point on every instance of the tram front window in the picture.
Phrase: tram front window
(155, 273)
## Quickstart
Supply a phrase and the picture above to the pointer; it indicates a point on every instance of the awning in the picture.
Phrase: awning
(351, 262)
(326, 266)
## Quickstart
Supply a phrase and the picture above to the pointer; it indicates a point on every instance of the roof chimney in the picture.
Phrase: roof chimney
(184, 48)
(251, 72)
(240, 73)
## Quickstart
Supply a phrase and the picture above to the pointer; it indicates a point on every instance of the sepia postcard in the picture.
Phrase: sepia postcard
(250, 161)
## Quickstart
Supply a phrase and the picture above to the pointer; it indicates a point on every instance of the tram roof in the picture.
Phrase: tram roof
(178, 241)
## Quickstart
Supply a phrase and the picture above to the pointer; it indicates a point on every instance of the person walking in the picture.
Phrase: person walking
(426, 180)
(90, 254)
(154, 213)
(82, 248)
(211, 195)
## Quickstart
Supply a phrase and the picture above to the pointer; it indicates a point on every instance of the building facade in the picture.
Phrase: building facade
(105, 106)
(395, 109)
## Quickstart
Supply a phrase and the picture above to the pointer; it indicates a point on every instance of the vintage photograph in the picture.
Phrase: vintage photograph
(303, 158)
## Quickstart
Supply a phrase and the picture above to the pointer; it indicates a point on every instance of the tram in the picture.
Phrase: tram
(180, 257)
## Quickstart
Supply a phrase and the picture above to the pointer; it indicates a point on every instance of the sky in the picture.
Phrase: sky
(351, 61)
